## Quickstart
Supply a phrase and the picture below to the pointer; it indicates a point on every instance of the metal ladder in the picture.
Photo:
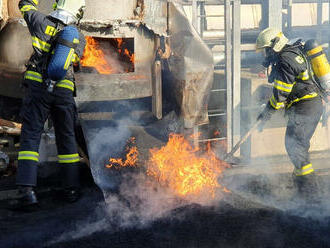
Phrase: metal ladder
(229, 38)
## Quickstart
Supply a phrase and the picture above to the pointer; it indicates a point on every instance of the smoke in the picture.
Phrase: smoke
(106, 142)
(112, 57)
(82, 229)
(275, 188)
(141, 200)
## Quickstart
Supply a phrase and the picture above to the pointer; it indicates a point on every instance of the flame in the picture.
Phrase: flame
(221, 143)
(94, 57)
(226, 190)
(185, 170)
(125, 51)
(131, 156)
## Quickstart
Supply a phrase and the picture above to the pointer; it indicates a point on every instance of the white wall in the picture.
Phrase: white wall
(303, 15)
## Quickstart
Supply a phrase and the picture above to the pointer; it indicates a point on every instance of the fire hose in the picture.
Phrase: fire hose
(229, 157)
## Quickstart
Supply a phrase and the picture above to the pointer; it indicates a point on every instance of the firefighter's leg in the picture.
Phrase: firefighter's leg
(301, 128)
(63, 115)
(34, 113)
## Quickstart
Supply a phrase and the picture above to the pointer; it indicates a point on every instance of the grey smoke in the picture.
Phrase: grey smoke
(84, 228)
(106, 142)
(112, 57)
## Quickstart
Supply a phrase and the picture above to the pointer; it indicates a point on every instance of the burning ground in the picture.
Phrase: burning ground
(149, 210)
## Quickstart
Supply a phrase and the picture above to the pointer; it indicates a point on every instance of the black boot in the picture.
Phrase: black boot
(308, 188)
(26, 201)
(70, 182)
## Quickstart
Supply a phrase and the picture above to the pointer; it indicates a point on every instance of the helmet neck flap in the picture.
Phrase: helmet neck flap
(63, 16)
(68, 11)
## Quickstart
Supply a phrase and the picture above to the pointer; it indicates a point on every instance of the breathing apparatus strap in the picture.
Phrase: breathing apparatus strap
(51, 84)
(66, 43)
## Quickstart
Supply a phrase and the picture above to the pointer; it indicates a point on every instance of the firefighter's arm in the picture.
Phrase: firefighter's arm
(282, 87)
(79, 51)
(28, 9)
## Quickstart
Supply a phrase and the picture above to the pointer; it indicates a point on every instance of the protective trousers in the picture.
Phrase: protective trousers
(38, 105)
(303, 119)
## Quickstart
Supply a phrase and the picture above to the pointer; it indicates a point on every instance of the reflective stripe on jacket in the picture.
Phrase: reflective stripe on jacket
(292, 82)
(35, 76)
(43, 30)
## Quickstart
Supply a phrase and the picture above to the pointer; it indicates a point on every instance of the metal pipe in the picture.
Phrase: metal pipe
(247, 58)
(218, 2)
(319, 18)
(250, 35)
(236, 50)
(289, 16)
(213, 34)
(194, 14)
(229, 83)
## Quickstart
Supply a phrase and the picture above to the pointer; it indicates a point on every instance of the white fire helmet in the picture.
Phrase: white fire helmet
(69, 11)
(273, 38)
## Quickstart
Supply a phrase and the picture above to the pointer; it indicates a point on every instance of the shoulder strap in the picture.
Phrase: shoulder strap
(58, 26)
(66, 43)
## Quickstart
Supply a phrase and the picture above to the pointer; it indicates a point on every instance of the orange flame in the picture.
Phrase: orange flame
(186, 171)
(125, 52)
(226, 190)
(179, 167)
(131, 157)
(94, 57)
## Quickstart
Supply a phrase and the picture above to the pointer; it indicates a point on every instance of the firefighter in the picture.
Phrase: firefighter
(295, 91)
(46, 98)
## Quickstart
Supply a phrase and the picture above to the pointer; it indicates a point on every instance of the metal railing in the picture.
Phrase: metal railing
(228, 36)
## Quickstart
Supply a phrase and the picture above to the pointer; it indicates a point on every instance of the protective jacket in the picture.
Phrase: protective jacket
(292, 78)
(43, 30)
(294, 90)
(39, 104)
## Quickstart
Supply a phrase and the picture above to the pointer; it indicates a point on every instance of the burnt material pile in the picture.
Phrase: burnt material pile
(224, 226)
(234, 222)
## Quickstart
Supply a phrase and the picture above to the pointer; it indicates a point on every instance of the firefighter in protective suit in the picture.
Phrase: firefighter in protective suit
(294, 90)
(43, 99)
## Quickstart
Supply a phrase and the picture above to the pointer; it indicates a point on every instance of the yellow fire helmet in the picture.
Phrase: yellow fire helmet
(69, 11)
(271, 37)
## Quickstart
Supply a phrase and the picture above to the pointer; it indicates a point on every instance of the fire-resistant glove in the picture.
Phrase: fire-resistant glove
(265, 115)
